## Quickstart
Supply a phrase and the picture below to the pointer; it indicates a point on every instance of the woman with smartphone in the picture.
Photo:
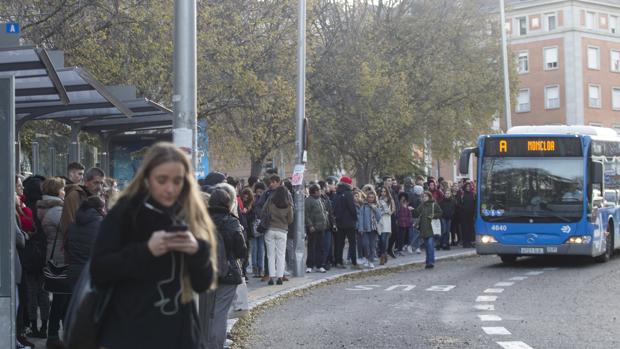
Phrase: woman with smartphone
(156, 247)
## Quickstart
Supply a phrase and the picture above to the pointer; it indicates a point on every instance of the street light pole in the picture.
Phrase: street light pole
(184, 96)
(299, 142)
(505, 59)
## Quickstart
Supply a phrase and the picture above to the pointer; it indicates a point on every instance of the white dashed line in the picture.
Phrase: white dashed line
(504, 284)
(486, 299)
(487, 317)
(514, 345)
(494, 290)
(532, 273)
(502, 331)
(518, 278)
(488, 307)
(441, 288)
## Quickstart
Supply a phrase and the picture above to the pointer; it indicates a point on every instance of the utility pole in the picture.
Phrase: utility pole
(299, 142)
(505, 59)
(184, 96)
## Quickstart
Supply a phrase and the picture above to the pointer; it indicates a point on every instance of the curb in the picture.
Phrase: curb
(264, 300)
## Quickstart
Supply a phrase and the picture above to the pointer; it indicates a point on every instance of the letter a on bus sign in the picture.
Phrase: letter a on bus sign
(12, 28)
(503, 146)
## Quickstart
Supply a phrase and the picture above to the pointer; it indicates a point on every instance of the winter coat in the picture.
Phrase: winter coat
(49, 211)
(231, 242)
(279, 217)
(145, 310)
(82, 235)
(385, 223)
(344, 207)
(331, 219)
(448, 207)
(315, 214)
(75, 195)
(368, 218)
(427, 211)
(468, 203)
(405, 220)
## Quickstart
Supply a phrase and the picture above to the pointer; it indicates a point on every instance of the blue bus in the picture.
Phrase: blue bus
(547, 190)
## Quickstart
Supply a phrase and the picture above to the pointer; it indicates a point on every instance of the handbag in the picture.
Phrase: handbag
(263, 222)
(55, 278)
(233, 276)
(435, 223)
(86, 313)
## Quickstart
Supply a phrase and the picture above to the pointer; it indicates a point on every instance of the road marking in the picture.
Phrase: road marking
(504, 284)
(518, 278)
(362, 288)
(441, 288)
(486, 299)
(532, 273)
(485, 306)
(550, 269)
(494, 290)
(514, 345)
(496, 331)
(487, 317)
(406, 287)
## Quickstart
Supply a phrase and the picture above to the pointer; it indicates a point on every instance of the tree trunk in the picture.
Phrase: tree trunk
(257, 167)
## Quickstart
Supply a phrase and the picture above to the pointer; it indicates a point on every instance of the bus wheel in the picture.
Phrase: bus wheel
(508, 258)
(609, 248)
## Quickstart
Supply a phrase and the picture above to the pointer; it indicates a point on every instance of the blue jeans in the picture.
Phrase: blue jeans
(430, 250)
(327, 247)
(445, 232)
(414, 237)
(257, 246)
(369, 243)
(384, 238)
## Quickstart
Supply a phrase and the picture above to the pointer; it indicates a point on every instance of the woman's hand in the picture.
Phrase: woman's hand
(182, 242)
(158, 243)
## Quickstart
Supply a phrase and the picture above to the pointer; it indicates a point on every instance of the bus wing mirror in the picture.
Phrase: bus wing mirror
(464, 160)
(597, 173)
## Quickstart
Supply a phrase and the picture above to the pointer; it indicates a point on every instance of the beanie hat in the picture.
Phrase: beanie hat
(417, 190)
(347, 180)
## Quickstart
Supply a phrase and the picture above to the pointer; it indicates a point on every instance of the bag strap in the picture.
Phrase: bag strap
(55, 239)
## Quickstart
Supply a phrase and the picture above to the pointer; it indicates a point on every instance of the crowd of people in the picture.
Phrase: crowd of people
(168, 236)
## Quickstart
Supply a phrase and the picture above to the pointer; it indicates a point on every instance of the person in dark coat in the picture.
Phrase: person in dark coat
(346, 221)
(448, 207)
(82, 235)
(156, 247)
(426, 212)
(468, 205)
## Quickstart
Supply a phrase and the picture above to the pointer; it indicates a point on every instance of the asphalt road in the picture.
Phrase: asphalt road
(469, 303)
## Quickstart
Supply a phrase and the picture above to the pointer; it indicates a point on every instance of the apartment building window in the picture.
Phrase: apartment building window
(613, 24)
(593, 58)
(523, 100)
(523, 62)
(552, 97)
(615, 98)
(594, 96)
(551, 58)
(590, 20)
(522, 25)
(550, 20)
(614, 60)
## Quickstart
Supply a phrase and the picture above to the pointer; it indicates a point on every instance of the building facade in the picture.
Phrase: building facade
(567, 55)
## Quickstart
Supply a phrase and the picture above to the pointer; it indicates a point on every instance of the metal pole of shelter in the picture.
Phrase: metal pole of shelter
(299, 142)
(7, 213)
(505, 59)
(52, 156)
(184, 96)
(36, 169)
(74, 148)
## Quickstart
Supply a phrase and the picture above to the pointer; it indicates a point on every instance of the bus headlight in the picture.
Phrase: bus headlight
(487, 239)
(579, 240)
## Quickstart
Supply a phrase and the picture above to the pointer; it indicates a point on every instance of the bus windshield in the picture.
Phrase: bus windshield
(531, 189)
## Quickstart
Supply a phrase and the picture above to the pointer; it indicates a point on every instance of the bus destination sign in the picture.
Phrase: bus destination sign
(538, 146)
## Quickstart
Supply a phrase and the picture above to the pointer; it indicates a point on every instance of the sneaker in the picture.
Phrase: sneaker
(270, 283)
(361, 261)
(418, 251)
(279, 282)
(308, 270)
(322, 270)
(371, 266)
(409, 250)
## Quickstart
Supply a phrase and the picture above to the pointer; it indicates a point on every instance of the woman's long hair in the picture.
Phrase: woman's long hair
(193, 207)
(281, 197)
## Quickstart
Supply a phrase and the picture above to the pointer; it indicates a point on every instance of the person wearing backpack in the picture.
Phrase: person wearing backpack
(231, 247)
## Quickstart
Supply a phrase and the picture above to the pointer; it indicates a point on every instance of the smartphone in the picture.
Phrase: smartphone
(177, 228)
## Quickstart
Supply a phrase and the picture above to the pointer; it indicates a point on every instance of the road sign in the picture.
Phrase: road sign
(12, 28)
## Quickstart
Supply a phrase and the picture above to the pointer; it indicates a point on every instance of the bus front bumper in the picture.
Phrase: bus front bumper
(529, 250)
